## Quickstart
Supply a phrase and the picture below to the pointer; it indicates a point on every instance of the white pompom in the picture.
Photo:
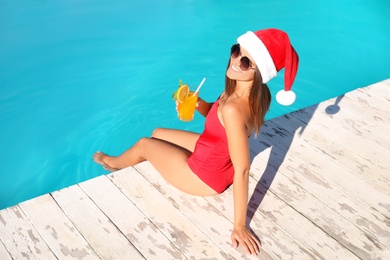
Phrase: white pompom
(286, 98)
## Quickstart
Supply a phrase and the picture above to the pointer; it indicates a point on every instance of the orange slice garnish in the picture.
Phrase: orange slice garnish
(182, 93)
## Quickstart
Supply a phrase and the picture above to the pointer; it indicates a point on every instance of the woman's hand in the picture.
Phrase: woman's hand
(242, 236)
(203, 107)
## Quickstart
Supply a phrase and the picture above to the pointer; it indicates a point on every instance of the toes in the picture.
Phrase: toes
(98, 157)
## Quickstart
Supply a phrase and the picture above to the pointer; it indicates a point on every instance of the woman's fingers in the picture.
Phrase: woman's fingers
(245, 238)
(251, 246)
(234, 242)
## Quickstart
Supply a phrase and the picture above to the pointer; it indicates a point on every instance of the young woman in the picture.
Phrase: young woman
(208, 163)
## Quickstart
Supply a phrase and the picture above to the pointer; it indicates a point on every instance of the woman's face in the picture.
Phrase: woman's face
(234, 71)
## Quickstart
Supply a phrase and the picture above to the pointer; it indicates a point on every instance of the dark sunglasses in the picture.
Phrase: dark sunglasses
(245, 63)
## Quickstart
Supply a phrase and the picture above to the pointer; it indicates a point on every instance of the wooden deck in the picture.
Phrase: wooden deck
(319, 189)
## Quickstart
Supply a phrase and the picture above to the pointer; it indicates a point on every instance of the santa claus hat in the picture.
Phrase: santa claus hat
(272, 51)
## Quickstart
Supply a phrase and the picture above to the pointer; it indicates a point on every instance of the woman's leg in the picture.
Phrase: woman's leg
(169, 159)
(181, 138)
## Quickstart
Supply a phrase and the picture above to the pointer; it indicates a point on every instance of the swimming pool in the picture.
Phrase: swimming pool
(81, 76)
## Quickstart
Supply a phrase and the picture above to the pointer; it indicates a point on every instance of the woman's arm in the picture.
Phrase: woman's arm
(235, 127)
(203, 107)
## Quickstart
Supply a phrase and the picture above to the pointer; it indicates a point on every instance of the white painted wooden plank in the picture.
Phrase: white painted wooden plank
(325, 217)
(107, 241)
(327, 167)
(4, 255)
(274, 239)
(369, 108)
(298, 169)
(340, 121)
(56, 229)
(369, 126)
(371, 164)
(191, 241)
(200, 212)
(332, 127)
(364, 121)
(380, 89)
(370, 122)
(20, 237)
(375, 198)
(295, 224)
(218, 227)
(142, 233)
(275, 242)
(374, 169)
(369, 102)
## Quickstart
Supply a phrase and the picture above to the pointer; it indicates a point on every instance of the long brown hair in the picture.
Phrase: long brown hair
(259, 98)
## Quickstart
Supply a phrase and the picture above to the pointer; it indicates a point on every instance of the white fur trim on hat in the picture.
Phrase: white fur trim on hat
(286, 98)
(260, 54)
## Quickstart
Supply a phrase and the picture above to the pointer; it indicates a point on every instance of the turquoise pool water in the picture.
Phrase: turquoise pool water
(80, 76)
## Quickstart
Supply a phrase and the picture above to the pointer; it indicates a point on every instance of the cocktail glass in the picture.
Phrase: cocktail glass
(186, 109)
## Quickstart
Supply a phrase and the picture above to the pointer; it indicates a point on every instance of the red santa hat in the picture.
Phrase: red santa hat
(272, 51)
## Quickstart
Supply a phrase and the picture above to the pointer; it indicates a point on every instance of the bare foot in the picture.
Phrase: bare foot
(102, 159)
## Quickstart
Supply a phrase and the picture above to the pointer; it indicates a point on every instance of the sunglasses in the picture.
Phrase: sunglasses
(245, 62)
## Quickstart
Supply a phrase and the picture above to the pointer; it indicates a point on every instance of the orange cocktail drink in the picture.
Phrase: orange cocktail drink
(186, 101)
(186, 108)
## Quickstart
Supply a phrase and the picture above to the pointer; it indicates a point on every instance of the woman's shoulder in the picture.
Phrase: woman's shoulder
(236, 104)
(235, 109)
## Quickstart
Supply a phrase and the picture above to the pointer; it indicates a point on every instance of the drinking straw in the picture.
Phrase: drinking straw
(200, 85)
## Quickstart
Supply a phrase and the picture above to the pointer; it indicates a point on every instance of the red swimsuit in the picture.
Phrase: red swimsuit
(210, 159)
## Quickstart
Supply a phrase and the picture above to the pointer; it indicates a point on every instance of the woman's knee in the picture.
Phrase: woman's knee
(141, 146)
(142, 142)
